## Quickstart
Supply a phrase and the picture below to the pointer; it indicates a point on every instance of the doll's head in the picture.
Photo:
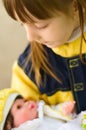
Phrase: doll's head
(15, 110)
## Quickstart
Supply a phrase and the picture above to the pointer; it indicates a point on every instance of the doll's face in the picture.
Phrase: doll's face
(23, 110)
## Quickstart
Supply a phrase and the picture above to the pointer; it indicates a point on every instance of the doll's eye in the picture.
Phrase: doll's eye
(19, 107)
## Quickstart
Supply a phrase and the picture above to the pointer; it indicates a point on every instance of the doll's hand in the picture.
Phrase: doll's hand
(68, 107)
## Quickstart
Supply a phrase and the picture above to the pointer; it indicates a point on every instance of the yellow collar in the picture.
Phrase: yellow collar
(70, 49)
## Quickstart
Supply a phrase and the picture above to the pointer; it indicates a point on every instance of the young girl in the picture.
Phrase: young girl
(15, 111)
(52, 67)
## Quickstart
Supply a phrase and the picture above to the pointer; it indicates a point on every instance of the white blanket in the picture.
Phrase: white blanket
(49, 123)
(75, 124)
(52, 124)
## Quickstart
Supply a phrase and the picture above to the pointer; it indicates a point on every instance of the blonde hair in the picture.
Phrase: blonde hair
(42, 9)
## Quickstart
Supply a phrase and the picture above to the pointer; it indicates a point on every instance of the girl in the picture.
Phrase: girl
(52, 67)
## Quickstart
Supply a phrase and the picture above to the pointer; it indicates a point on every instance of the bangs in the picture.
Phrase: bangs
(24, 10)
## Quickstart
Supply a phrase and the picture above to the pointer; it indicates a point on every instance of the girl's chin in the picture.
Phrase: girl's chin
(52, 44)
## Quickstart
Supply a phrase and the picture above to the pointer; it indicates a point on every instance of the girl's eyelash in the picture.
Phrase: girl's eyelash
(42, 27)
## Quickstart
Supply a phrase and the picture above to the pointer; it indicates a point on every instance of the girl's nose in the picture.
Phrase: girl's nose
(32, 33)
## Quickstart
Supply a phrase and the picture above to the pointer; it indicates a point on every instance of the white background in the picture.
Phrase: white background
(12, 42)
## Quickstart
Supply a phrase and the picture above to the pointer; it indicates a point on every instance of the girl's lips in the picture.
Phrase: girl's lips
(49, 44)
(45, 42)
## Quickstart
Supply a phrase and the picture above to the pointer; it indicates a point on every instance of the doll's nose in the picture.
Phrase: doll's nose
(32, 105)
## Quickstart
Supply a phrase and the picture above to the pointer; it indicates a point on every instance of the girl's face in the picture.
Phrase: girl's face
(52, 32)
(23, 110)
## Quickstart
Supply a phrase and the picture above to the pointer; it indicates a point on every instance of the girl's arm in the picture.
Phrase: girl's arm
(23, 84)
